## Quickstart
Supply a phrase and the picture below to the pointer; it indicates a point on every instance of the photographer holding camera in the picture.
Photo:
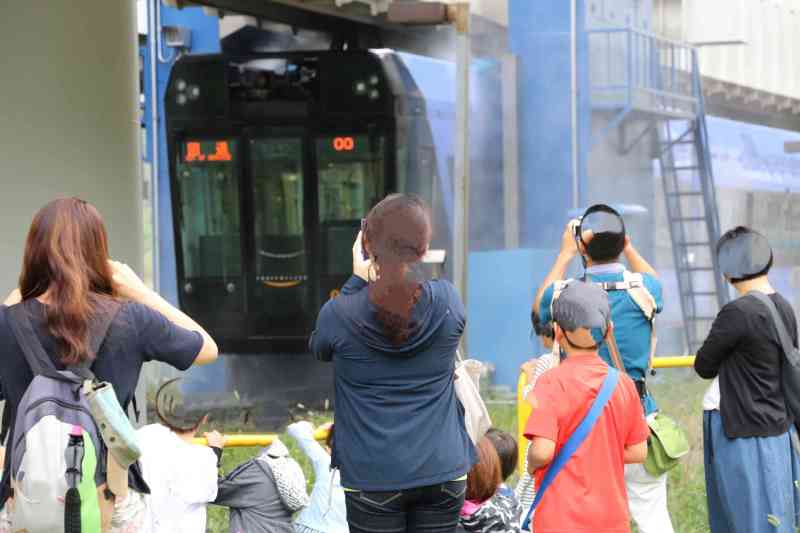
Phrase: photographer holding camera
(634, 294)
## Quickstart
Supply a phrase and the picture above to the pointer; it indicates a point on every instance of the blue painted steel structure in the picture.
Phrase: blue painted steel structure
(205, 39)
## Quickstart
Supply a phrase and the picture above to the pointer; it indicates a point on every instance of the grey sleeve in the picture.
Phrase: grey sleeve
(243, 487)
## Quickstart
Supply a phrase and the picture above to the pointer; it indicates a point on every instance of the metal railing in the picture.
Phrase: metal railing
(636, 70)
(246, 440)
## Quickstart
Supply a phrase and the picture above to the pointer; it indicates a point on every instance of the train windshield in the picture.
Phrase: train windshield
(280, 300)
(350, 181)
(208, 185)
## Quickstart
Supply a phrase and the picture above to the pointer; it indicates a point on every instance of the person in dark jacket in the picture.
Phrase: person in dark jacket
(401, 444)
(752, 452)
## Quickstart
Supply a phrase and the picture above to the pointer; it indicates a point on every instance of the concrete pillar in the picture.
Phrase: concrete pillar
(68, 119)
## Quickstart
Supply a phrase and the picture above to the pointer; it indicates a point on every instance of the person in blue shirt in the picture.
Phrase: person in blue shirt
(401, 443)
(599, 238)
(326, 512)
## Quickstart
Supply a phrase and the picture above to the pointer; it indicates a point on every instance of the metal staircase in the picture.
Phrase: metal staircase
(691, 209)
(638, 75)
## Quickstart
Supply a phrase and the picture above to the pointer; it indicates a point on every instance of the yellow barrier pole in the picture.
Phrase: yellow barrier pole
(247, 440)
(524, 409)
(678, 361)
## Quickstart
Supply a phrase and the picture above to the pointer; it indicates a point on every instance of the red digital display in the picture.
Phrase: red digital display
(344, 144)
(195, 153)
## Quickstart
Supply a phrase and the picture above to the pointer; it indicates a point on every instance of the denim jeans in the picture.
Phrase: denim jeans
(432, 509)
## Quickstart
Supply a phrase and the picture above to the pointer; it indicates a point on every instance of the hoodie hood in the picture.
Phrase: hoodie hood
(359, 316)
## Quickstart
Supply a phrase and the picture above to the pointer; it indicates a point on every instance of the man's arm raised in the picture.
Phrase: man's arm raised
(569, 249)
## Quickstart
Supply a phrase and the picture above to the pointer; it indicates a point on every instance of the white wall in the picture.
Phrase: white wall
(68, 119)
(769, 58)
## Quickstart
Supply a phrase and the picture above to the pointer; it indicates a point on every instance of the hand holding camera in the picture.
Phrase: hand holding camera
(361, 261)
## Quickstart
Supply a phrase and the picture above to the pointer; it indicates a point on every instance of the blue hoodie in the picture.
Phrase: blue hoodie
(399, 424)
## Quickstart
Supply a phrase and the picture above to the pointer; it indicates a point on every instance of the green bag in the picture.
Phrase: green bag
(666, 445)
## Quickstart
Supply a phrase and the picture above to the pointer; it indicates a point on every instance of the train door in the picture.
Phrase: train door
(207, 191)
(280, 302)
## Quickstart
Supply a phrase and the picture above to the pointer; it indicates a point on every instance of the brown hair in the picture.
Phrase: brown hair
(485, 476)
(507, 450)
(66, 256)
(398, 232)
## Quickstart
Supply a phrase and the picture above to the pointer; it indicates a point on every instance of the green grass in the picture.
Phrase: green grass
(679, 395)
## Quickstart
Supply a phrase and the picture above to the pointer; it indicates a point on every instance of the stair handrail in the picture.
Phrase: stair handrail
(707, 180)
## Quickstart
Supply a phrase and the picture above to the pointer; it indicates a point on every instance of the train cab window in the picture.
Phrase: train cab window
(279, 302)
(208, 187)
(351, 180)
(209, 192)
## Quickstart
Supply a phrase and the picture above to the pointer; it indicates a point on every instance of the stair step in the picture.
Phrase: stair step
(696, 193)
(689, 219)
(703, 318)
(700, 293)
(691, 244)
(684, 168)
(695, 269)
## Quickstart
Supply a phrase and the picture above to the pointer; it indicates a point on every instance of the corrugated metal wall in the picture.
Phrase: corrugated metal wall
(768, 30)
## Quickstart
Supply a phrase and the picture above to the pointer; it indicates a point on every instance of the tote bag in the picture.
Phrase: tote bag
(467, 383)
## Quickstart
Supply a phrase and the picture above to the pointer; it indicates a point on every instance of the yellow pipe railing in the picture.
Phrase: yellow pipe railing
(247, 440)
(524, 409)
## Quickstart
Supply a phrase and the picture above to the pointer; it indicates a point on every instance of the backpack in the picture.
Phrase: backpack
(57, 455)
(633, 284)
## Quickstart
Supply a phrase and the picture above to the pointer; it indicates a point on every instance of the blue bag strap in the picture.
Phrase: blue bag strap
(575, 440)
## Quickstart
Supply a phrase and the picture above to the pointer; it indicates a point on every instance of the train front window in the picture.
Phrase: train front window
(279, 302)
(350, 176)
(209, 210)
(351, 180)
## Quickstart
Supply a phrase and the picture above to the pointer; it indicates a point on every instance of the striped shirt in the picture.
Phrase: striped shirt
(526, 491)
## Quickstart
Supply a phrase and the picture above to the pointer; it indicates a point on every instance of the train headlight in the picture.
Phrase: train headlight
(360, 88)
(373, 80)
(194, 92)
(181, 85)
(374, 94)
(181, 99)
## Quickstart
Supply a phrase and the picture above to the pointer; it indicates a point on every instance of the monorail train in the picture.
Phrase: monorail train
(274, 160)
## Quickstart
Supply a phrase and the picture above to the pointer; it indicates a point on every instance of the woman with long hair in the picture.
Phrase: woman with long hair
(67, 282)
(401, 443)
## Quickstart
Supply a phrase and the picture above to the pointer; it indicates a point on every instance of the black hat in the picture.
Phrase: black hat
(608, 229)
(743, 254)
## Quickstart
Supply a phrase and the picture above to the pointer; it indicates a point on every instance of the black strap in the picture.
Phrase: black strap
(136, 412)
(789, 349)
(39, 361)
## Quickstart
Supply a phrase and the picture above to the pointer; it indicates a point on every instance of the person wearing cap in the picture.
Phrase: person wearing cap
(264, 492)
(752, 452)
(182, 475)
(588, 494)
(600, 239)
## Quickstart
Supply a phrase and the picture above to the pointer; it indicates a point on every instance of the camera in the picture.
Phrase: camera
(576, 229)
(364, 255)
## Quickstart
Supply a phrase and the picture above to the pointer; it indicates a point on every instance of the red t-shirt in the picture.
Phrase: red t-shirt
(588, 495)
